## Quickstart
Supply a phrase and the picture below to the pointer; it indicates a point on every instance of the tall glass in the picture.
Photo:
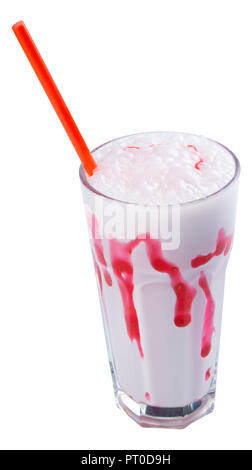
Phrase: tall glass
(161, 299)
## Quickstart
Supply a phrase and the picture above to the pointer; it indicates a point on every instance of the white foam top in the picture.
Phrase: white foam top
(161, 168)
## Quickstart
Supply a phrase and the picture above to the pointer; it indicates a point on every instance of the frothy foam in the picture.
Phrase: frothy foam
(161, 168)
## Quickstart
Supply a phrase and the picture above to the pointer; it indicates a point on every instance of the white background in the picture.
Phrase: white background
(122, 67)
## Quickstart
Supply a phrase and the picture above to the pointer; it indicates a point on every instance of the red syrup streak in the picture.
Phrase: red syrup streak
(183, 291)
(208, 374)
(223, 245)
(192, 147)
(147, 396)
(99, 251)
(120, 254)
(208, 328)
(123, 269)
(198, 163)
(99, 276)
(98, 272)
(200, 158)
(133, 148)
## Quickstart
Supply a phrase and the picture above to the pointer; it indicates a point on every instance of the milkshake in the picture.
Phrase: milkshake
(161, 280)
(161, 210)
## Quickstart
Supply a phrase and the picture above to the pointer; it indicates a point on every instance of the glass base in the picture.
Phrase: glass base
(154, 416)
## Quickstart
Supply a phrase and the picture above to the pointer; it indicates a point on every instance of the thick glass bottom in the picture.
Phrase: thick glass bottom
(154, 416)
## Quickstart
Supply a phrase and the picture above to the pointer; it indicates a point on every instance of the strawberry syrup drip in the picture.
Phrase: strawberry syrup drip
(229, 240)
(147, 396)
(183, 291)
(198, 163)
(133, 147)
(208, 374)
(223, 245)
(98, 272)
(123, 269)
(99, 251)
(200, 158)
(192, 147)
(99, 277)
(208, 328)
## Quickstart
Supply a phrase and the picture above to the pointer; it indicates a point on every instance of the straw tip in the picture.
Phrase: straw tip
(17, 25)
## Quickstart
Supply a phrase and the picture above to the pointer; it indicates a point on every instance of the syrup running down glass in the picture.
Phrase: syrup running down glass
(161, 282)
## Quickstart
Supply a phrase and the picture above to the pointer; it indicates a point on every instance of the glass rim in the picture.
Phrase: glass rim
(83, 178)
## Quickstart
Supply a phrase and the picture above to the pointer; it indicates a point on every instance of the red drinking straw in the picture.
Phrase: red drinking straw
(59, 105)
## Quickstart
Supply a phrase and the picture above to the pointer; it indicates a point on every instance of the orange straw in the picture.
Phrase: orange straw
(54, 95)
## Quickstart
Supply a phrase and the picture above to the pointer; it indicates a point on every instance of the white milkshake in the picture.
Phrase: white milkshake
(162, 307)
(161, 168)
